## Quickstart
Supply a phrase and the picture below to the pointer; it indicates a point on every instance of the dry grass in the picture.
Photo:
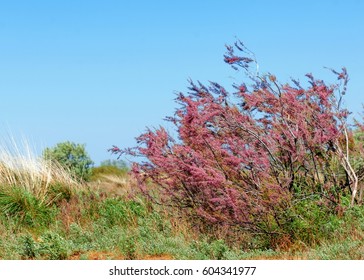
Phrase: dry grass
(114, 184)
(19, 166)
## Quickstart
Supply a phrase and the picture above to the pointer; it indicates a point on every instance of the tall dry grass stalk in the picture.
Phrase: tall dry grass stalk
(19, 166)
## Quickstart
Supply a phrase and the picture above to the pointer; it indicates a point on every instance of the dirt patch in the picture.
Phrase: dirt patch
(95, 255)
(103, 255)
(158, 257)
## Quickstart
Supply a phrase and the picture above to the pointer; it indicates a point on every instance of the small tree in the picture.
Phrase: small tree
(242, 159)
(72, 157)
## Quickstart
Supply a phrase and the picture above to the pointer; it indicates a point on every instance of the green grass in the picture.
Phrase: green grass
(89, 224)
(22, 207)
(125, 228)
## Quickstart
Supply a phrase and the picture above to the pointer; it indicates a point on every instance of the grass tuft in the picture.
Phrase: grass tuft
(19, 166)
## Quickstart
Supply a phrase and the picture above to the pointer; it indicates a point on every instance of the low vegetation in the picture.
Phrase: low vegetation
(88, 221)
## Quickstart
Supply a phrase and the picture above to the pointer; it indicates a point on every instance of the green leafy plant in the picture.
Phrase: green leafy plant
(28, 247)
(73, 157)
(53, 246)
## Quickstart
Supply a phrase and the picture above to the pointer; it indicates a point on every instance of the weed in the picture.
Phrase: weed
(53, 246)
(29, 247)
(128, 246)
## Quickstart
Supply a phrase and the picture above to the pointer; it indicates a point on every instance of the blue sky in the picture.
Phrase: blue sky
(100, 72)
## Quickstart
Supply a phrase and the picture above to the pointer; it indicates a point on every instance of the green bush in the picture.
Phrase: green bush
(119, 212)
(311, 221)
(128, 246)
(72, 157)
(214, 249)
(53, 246)
(50, 246)
(29, 247)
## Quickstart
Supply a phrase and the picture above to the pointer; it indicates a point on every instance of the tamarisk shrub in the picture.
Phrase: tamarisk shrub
(243, 158)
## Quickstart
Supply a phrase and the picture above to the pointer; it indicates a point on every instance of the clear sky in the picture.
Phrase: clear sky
(100, 72)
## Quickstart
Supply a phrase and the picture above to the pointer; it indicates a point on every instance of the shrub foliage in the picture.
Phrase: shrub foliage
(71, 156)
